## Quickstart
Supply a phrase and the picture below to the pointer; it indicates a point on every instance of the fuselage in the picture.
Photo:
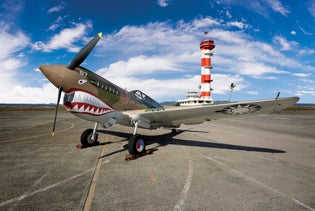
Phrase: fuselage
(92, 97)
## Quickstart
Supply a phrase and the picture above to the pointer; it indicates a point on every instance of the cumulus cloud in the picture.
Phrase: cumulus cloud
(27, 94)
(64, 39)
(173, 49)
(9, 59)
(141, 65)
(163, 58)
(163, 3)
(12, 42)
(293, 32)
(302, 75)
(13, 90)
(285, 45)
(238, 24)
(11, 62)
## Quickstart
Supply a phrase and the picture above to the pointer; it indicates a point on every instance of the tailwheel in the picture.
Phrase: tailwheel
(136, 145)
(88, 138)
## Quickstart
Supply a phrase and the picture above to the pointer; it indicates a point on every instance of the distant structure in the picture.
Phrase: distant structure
(193, 98)
(232, 86)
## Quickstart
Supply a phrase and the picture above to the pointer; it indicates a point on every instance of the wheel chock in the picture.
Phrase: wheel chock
(79, 146)
(133, 157)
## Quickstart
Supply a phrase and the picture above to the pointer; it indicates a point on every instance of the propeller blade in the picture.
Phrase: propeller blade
(56, 111)
(84, 52)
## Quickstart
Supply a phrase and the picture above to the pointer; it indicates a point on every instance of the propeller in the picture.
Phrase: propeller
(84, 52)
(76, 61)
(56, 111)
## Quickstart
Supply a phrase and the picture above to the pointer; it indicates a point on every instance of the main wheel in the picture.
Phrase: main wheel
(136, 145)
(86, 138)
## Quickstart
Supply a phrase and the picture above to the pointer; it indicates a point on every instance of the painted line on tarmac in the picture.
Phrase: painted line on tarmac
(180, 205)
(19, 198)
(90, 196)
(264, 186)
(23, 196)
(38, 181)
(40, 135)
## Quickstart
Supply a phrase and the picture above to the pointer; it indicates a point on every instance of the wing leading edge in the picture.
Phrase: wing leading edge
(174, 116)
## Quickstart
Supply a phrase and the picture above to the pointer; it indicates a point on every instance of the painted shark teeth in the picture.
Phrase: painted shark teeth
(86, 103)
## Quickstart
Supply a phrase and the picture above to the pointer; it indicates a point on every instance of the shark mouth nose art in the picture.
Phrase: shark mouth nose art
(85, 103)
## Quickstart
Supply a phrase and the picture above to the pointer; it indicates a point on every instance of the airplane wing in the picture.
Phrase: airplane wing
(174, 116)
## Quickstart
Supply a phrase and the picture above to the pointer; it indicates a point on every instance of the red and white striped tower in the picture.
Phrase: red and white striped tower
(206, 46)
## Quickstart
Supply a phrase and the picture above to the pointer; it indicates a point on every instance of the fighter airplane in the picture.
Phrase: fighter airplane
(96, 99)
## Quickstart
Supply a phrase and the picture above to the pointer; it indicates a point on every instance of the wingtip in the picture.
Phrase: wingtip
(100, 34)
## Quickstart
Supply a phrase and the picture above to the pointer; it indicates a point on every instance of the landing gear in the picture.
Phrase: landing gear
(136, 145)
(89, 137)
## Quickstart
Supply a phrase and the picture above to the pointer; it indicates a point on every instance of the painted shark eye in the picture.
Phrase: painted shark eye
(82, 81)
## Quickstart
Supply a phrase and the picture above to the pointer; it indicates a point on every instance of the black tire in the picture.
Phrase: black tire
(136, 145)
(86, 138)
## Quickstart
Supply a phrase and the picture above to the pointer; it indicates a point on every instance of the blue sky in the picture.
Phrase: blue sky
(261, 46)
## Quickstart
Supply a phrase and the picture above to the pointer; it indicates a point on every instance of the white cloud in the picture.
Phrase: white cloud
(204, 23)
(47, 93)
(141, 65)
(163, 3)
(228, 14)
(285, 45)
(305, 32)
(252, 92)
(57, 8)
(306, 51)
(277, 6)
(170, 48)
(258, 70)
(305, 90)
(163, 59)
(311, 8)
(238, 24)
(221, 83)
(10, 58)
(65, 39)
(173, 89)
(12, 42)
(12, 61)
(57, 23)
(293, 32)
(302, 75)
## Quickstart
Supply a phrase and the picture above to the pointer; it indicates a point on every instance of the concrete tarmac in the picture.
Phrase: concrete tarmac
(259, 162)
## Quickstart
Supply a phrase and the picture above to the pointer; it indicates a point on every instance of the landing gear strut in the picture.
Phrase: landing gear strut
(136, 143)
(89, 137)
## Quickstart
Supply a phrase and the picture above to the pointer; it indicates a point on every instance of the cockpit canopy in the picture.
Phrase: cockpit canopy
(145, 99)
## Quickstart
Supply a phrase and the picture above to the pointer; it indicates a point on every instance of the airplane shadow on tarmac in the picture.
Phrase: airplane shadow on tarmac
(168, 138)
